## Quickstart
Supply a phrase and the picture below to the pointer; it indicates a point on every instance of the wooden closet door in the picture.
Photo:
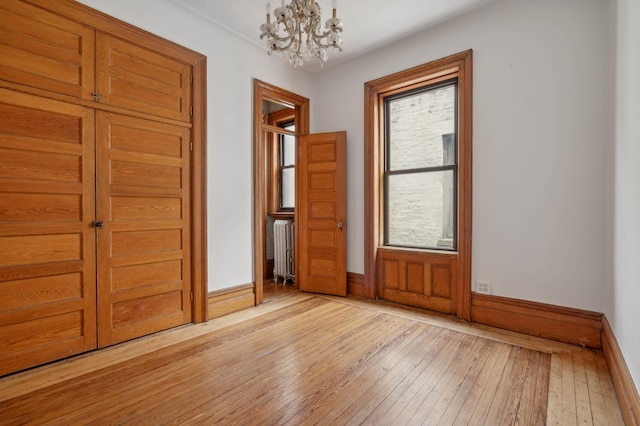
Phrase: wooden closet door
(144, 275)
(47, 241)
(43, 50)
(138, 79)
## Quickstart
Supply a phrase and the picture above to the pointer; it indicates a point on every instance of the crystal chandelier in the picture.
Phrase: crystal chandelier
(302, 37)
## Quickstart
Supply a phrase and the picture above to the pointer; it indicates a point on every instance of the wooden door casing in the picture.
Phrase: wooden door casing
(143, 198)
(321, 216)
(47, 256)
(56, 55)
(264, 92)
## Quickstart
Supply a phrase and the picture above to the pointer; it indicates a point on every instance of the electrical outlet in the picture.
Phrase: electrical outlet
(483, 287)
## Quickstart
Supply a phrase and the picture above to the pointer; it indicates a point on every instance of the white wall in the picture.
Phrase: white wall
(623, 294)
(542, 124)
(232, 63)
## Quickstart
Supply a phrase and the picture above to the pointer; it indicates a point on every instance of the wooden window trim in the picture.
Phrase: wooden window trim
(458, 65)
(276, 119)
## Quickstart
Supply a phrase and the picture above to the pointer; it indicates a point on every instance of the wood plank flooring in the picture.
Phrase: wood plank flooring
(304, 359)
(274, 291)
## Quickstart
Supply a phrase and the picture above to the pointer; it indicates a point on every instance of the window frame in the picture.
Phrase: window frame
(454, 66)
(278, 119)
(429, 169)
(282, 166)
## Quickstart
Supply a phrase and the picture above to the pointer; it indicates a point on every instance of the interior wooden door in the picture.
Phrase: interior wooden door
(47, 256)
(144, 275)
(322, 213)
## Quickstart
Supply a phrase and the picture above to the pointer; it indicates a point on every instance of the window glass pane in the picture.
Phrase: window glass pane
(417, 126)
(420, 210)
(288, 188)
(288, 148)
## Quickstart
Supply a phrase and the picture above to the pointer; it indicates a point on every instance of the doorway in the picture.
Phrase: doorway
(277, 114)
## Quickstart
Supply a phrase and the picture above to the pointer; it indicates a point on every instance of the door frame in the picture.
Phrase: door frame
(266, 92)
(199, 240)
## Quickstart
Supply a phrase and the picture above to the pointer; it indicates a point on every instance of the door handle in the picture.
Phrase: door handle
(340, 225)
(98, 224)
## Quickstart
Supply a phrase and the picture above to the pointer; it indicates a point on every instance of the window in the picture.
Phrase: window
(287, 169)
(418, 185)
(282, 162)
(421, 167)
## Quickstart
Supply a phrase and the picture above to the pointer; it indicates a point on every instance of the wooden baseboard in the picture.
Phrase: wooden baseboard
(355, 284)
(568, 325)
(622, 381)
(229, 300)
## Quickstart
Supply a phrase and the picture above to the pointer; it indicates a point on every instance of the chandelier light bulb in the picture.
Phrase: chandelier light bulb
(298, 34)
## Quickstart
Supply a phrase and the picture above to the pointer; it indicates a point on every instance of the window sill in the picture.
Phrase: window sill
(417, 251)
(282, 215)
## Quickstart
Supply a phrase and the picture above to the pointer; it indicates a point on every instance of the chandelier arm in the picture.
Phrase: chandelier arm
(281, 48)
(289, 29)
(276, 37)
(320, 44)
(325, 34)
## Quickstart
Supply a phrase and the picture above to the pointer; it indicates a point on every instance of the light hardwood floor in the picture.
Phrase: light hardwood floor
(305, 359)
(274, 291)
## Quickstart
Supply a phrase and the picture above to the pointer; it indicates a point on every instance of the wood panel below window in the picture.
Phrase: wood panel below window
(420, 279)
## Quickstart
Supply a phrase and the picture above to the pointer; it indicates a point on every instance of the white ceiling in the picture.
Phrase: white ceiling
(368, 24)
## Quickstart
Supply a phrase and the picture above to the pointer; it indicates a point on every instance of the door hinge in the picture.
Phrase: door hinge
(191, 110)
(191, 146)
(192, 296)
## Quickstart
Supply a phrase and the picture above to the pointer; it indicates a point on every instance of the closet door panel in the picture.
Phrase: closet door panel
(46, 51)
(144, 249)
(47, 242)
(138, 79)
